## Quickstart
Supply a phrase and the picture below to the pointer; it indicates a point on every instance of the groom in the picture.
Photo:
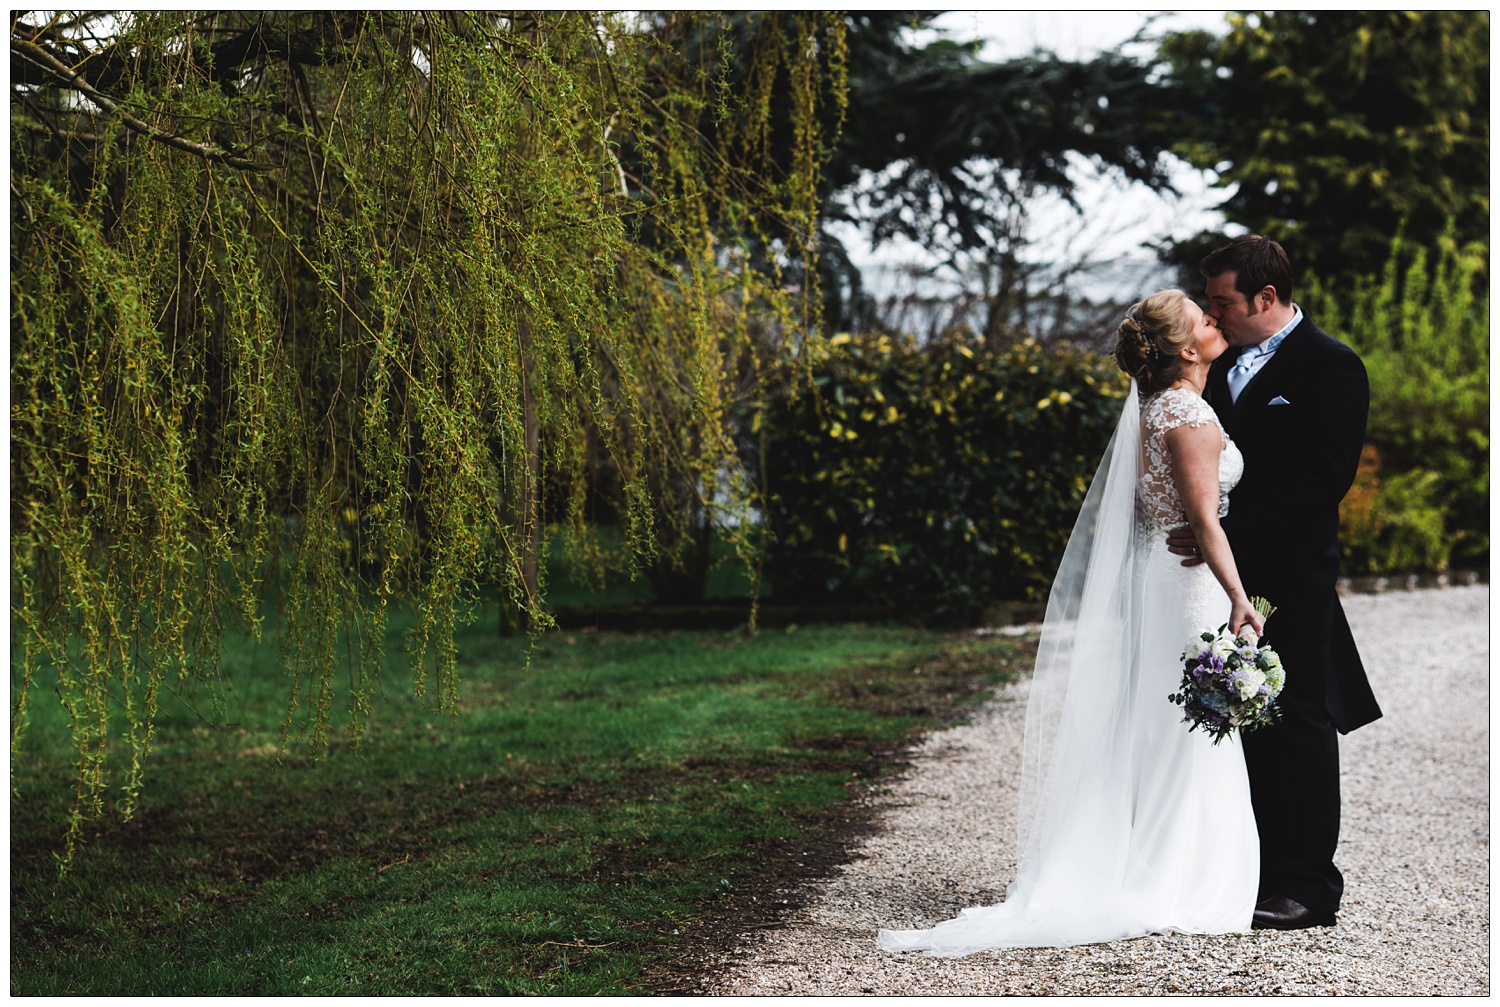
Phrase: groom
(1295, 401)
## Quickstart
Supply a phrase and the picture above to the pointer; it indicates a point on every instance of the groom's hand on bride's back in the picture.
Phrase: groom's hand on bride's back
(1181, 542)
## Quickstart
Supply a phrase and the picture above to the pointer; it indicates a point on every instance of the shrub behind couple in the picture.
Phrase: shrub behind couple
(1129, 824)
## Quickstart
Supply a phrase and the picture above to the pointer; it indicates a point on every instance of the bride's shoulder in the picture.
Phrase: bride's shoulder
(1175, 407)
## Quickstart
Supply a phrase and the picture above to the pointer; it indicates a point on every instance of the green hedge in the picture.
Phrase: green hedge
(1422, 327)
(940, 478)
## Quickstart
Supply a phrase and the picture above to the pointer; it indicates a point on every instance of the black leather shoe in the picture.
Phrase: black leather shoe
(1282, 913)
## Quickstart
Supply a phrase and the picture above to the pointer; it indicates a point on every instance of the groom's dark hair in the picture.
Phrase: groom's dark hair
(1257, 262)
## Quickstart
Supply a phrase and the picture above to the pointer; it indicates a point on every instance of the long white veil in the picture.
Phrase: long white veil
(1079, 697)
(1074, 823)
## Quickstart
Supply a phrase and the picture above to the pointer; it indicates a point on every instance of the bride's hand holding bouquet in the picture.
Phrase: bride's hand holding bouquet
(1230, 681)
(1245, 618)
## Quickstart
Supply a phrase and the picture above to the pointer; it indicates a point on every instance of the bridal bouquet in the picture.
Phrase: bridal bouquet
(1229, 681)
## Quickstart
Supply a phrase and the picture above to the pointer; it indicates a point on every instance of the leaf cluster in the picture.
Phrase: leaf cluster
(1421, 326)
(1332, 128)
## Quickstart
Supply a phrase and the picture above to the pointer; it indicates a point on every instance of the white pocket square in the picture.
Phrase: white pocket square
(1278, 401)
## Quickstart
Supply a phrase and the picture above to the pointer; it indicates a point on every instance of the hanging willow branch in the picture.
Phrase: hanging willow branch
(336, 310)
(36, 54)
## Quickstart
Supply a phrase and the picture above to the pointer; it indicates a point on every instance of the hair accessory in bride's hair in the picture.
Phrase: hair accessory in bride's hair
(1149, 338)
(1133, 326)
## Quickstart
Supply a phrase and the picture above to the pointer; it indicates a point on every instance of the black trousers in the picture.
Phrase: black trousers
(1294, 788)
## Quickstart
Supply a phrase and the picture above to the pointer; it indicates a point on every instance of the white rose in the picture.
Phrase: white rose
(1250, 681)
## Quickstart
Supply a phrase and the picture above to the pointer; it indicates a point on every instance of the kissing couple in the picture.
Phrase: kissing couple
(1240, 435)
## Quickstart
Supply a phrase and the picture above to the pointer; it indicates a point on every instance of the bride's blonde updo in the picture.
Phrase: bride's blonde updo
(1150, 338)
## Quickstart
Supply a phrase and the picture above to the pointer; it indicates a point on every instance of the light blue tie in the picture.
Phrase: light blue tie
(1239, 374)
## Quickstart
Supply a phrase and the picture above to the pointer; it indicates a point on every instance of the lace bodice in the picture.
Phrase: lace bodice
(1159, 505)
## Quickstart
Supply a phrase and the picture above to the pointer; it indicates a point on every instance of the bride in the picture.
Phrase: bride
(1129, 824)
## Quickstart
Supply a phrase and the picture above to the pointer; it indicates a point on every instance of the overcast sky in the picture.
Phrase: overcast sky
(1118, 217)
(1069, 34)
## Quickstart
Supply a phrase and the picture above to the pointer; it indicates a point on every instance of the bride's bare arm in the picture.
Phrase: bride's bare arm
(1195, 469)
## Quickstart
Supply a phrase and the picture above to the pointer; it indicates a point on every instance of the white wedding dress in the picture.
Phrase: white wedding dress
(1129, 824)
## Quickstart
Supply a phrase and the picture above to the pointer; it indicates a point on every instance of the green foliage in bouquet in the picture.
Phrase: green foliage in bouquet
(938, 478)
(1422, 328)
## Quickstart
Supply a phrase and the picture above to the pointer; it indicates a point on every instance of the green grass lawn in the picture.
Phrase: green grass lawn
(566, 833)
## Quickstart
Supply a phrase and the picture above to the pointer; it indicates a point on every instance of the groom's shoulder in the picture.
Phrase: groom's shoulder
(1330, 362)
(1322, 343)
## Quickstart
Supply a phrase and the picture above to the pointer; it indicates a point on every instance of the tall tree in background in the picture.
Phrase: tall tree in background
(1335, 127)
(945, 148)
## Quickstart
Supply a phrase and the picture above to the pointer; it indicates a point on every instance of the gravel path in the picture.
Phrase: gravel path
(1414, 852)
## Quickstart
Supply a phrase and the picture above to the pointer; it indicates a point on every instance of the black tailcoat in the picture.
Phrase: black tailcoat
(1300, 423)
(1283, 523)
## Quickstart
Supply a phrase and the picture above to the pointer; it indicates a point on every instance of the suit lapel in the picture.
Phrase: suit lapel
(1258, 392)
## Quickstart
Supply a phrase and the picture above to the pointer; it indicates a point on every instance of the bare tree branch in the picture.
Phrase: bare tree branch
(35, 54)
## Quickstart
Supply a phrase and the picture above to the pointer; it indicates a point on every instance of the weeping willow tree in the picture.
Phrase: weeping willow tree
(334, 299)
